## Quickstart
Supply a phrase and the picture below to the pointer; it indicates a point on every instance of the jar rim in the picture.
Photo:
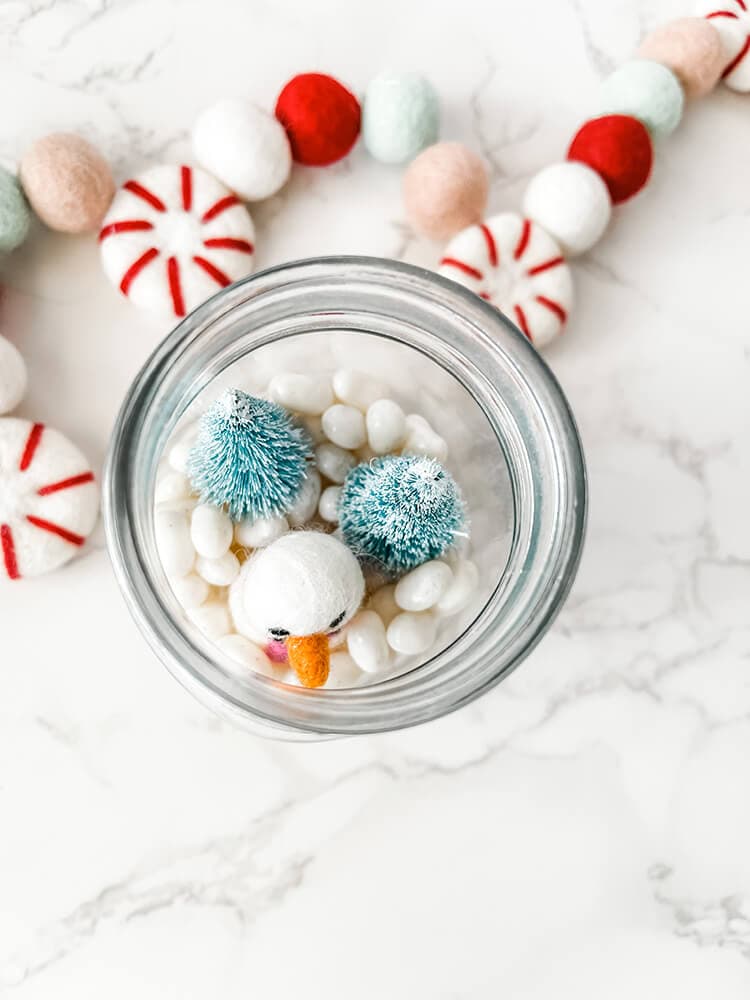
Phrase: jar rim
(487, 354)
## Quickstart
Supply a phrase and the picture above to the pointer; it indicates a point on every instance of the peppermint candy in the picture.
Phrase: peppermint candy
(173, 237)
(515, 265)
(48, 499)
(731, 18)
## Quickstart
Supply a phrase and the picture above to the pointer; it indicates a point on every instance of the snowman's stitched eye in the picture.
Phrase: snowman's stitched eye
(278, 633)
(338, 620)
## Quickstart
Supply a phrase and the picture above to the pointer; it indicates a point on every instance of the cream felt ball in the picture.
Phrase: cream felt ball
(571, 202)
(513, 264)
(648, 91)
(48, 499)
(731, 19)
(173, 237)
(13, 377)
(68, 183)
(304, 583)
(692, 49)
(445, 190)
(15, 215)
(244, 146)
(400, 116)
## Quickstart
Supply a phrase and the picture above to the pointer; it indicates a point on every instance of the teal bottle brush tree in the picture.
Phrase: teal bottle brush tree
(250, 457)
(400, 511)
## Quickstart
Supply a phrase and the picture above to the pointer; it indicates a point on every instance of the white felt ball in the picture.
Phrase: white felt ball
(244, 146)
(570, 201)
(48, 499)
(304, 583)
(12, 376)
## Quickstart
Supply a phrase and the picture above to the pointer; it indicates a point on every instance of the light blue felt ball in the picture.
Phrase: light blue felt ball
(400, 116)
(647, 91)
(15, 215)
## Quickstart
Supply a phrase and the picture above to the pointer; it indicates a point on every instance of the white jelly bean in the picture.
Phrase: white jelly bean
(178, 453)
(311, 394)
(314, 426)
(171, 486)
(356, 388)
(328, 507)
(423, 587)
(344, 426)
(306, 503)
(412, 632)
(383, 602)
(173, 541)
(190, 590)
(333, 462)
(459, 593)
(243, 651)
(219, 572)
(211, 618)
(365, 639)
(260, 532)
(421, 439)
(344, 671)
(211, 531)
(386, 426)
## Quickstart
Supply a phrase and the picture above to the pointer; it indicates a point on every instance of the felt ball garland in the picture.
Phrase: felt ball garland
(176, 234)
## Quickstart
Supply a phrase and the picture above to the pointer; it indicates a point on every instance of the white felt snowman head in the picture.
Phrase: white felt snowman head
(305, 583)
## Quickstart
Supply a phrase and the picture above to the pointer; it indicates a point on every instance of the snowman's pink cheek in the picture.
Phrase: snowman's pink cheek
(276, 651)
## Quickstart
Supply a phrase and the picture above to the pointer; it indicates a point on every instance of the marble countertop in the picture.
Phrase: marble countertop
(582, 831)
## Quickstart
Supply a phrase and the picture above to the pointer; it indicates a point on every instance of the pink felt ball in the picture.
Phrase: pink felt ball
(68, 183)
(445, 190)
(691, 47)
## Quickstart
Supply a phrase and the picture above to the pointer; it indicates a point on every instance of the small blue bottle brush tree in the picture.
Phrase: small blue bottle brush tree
(250, 457)
(399, 511)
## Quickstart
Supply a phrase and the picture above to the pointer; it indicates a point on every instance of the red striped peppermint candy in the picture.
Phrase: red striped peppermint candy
(174, 236)
(514, 264)
(48, 499)
(731, 18)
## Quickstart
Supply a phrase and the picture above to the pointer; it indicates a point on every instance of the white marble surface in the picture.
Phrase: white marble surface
(580, 833)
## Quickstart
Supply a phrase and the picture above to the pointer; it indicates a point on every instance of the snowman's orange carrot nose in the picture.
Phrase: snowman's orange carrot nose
(310, 658)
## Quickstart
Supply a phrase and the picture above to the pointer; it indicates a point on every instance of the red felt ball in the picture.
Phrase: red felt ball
(321, 117)
(619, 149)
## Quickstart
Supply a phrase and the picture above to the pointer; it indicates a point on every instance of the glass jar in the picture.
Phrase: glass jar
(515, 451)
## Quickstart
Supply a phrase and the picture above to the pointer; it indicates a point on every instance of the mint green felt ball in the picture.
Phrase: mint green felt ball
(647, 91)
(15, 214)
(400, 116)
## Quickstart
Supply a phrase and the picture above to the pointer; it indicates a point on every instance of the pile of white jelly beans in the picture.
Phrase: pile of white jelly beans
(351, 419)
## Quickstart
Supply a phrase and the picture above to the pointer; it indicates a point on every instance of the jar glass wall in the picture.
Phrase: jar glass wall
(514, 448)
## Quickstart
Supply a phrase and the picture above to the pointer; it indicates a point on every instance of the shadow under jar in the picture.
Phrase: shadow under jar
(444, 353)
